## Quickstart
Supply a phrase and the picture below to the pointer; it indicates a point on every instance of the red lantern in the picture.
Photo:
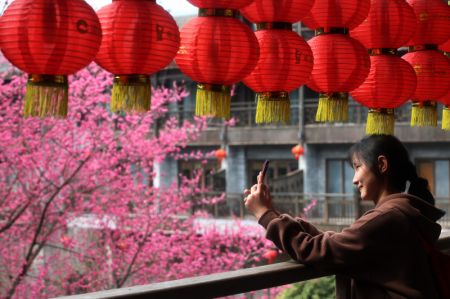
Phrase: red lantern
(220, 154)
(432, 22)
(285, 60)
(289, 11)
(297, 151)
(139, 38)
(341, 64)
(337, 14)
(390, 83)
(389, 25)
(217, 51)
(433, 76)
(49, 39)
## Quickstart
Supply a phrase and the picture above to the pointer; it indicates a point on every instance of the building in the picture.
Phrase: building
(324, 168)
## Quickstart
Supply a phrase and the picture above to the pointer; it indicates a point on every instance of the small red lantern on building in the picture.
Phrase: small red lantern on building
(49, 39)
(220, 154)
(270, 255)
(139, 38)
(341, 63)
(217, 50)
(285, 60)
(297, 151)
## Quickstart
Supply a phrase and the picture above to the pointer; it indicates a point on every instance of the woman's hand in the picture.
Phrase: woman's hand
(258, 199)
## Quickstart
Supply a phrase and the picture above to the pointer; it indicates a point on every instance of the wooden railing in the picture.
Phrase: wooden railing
(225, 284)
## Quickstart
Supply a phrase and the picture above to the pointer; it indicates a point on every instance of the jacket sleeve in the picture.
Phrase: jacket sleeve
(345, 251)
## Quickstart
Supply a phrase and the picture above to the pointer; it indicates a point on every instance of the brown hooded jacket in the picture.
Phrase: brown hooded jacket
(378, 256)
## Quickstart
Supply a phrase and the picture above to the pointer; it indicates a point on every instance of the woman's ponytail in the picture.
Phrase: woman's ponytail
(419, 186)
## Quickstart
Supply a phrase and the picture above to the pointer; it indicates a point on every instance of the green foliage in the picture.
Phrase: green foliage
(321, 288)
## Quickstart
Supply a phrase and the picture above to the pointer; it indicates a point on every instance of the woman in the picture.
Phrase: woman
(381, 254)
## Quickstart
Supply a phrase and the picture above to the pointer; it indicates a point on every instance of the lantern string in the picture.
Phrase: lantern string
(333, 107)
(446, 118)
(416, 48)
(380, 121)
(131, 93)
(424, 114)
(46, 95)
(213, 100)
(382, 51)
(273, 107)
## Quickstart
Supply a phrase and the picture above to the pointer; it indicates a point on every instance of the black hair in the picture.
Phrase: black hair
(400, 170)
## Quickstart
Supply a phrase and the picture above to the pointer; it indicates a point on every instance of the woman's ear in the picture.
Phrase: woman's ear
(383, 164)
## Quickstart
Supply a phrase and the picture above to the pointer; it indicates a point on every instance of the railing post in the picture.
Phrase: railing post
(326, 216)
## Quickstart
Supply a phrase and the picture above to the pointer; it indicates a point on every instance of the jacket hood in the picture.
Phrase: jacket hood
(421, 213)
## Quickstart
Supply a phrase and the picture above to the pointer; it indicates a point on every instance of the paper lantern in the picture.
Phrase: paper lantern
(139, 38)
(289, 11)
(432, 18)
(391, 80)
(49, 39)
(217, 51)
(390, 83)
(297, 151)
(337, 14)
(341, 64)
(285, 63)
(389, 25)
(285, 60)
(220, 154)
(432, 69)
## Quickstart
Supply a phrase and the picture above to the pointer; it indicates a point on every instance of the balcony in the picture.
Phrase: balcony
(247, 132)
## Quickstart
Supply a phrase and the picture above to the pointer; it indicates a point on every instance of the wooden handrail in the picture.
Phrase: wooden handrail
(224, 284)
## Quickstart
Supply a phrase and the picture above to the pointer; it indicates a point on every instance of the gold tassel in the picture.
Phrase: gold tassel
(424, 114)
(131, 93)
(333, 107)
(380, 122)
(273, 107)
(46, 95)
(213, 100)
(446, 118)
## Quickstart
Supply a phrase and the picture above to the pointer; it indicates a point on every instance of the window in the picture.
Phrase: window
(339, 179)
(339, 176)
(437, 172)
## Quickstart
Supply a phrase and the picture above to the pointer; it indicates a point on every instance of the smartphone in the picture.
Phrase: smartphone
(264, 169)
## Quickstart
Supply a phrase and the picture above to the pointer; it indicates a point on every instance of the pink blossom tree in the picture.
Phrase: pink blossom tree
(78, 210)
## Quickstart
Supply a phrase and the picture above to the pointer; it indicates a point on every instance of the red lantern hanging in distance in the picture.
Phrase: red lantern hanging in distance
(220, 154)
(49, 39)
(297, 151)
(285, 60)
(391, 81)
(139, 38)
(430, 65)
(216, 51)
(341, 63)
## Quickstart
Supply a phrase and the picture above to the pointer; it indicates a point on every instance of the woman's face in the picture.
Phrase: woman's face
(366, 181)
